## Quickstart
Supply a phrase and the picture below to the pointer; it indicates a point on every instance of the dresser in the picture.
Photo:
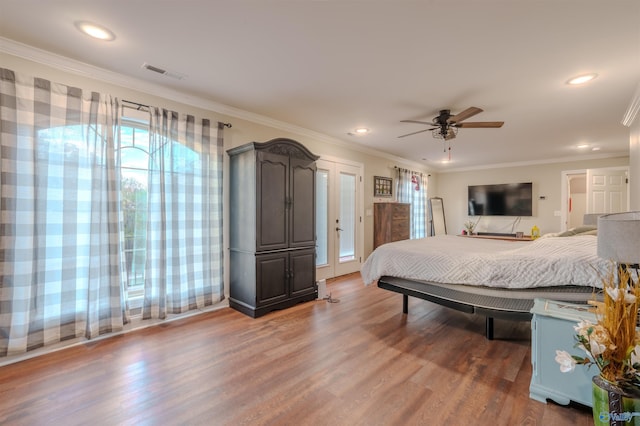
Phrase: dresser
(391, 222)
(272, 230)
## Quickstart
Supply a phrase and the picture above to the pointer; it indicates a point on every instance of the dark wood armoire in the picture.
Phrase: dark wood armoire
(272, 226)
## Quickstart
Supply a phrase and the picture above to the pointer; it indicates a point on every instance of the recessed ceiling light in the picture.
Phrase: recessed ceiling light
(581, 79)
(582, 146)
(361, 131)
(595, 148)
(95, 31)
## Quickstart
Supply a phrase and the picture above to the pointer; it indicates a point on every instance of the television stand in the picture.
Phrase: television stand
(495, 234)
(499, 236)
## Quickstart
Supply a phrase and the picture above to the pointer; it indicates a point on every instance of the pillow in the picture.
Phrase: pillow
(550, 234)
(579, 230)
(585, 228)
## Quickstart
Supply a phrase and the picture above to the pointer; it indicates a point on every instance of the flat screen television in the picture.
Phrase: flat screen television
(508, 199)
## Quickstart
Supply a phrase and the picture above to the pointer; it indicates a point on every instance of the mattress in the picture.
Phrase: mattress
(545, 262)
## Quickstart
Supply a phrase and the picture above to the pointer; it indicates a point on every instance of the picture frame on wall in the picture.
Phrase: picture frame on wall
(382, 186)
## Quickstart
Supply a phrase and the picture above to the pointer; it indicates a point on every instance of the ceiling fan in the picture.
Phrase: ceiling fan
(445, 126)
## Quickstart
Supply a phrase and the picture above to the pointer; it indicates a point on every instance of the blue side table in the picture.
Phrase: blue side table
(552, 329)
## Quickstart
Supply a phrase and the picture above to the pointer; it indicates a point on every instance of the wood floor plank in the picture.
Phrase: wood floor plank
(356, 362)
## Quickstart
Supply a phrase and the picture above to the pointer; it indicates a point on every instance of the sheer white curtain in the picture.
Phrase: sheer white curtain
(184, 250)
(60, 243)
(411, 187)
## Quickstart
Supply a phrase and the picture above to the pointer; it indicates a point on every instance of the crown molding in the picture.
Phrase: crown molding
(83, 69)
(535, 162)
(633, 109)
(73, 66)
(86, 70)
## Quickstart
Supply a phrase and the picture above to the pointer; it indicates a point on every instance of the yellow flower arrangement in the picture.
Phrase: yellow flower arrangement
(613, 343)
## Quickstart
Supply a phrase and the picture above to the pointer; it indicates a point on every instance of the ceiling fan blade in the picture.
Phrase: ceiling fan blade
(481, 124)
(419, 122)
(469, 112)
(415, 133)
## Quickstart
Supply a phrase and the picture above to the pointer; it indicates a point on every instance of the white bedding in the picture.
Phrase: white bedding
(545, 262)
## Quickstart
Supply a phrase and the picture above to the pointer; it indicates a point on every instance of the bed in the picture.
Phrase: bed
(491, 277)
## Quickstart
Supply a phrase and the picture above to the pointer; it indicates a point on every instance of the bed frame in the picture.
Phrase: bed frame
(509, 304)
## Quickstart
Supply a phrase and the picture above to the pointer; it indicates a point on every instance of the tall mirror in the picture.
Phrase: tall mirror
(436, 211)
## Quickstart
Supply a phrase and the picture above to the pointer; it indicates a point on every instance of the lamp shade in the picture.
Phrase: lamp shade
(619, 237)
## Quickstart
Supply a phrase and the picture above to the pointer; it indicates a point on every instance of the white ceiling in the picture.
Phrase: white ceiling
(333, 65)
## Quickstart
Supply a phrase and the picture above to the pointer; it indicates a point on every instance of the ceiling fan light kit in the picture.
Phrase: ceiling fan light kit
(445, 126)
(451, 133)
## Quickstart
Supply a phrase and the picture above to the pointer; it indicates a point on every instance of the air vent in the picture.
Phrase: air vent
(172, 74)
(154, 69)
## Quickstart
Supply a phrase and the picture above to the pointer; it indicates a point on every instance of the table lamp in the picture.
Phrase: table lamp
(619, 238)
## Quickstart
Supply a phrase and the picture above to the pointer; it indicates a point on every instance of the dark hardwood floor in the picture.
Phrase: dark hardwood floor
(356, 362)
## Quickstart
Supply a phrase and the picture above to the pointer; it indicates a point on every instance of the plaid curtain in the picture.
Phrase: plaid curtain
(184, 234)
(60, 246)
(411, 188)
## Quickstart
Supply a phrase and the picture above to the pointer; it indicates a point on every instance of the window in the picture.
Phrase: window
(411, 188)
(77, 185)
(322, 217)
(134, 171)
(347, 216)
(64, 143)
(135, 159)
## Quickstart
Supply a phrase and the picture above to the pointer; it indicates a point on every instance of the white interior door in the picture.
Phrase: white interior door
(338, 219)
(607, 190)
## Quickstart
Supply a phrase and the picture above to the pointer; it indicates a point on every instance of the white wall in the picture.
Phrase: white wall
(634, 163)
(578, 194)
(451, 186)
(634, 160)
(547, 183)
(243, 130)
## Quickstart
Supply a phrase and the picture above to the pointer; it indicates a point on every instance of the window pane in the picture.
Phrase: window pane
(134, 211)
(134, 160)
(347, 216)
(322, 217)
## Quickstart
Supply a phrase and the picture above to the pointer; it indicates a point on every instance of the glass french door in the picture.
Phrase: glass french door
(338, 219)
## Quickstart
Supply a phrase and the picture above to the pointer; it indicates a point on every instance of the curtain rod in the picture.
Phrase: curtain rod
(412, 171)
(140, 106)
(143, 106)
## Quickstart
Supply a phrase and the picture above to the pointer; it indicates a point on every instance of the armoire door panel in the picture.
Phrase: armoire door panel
(302, 265)
(302, 209)
(271, 271)
(273, 176)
